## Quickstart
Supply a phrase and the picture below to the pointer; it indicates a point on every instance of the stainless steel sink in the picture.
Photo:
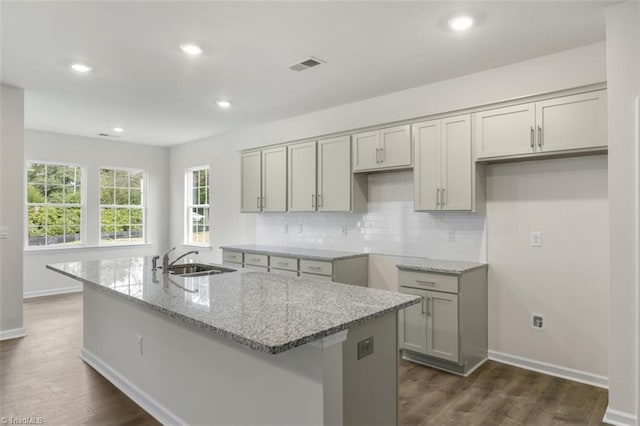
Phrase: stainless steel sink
(197, 270)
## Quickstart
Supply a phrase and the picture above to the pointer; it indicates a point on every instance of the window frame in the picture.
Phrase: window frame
(188, 205)
(143, 207)
(83, 207)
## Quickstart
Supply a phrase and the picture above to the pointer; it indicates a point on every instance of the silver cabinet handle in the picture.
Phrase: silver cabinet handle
(437, 197)
(283, 263)
(313, 204)
(423, 311)
(429, 305)
(319, 200)
(532, 143)
(540, 137)
(315, 268)
(264, 202)
(258, 202)
(377, 156)
(426, 282)
(442, 198)
(382, 155)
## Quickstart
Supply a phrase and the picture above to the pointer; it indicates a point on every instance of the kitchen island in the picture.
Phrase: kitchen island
(242, 347)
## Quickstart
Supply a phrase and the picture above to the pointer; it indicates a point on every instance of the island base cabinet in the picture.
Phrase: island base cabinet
(448, 330)
(324, 382)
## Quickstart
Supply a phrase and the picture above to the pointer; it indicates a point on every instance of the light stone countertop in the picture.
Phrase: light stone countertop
(266, 312)
(437, 265)
(297, 252)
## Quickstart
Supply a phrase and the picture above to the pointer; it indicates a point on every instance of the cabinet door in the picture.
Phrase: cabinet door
(302, 177)
(274, 179)
(250, 182)
(505, 131)
(456, 163)
(412, 324)
(334, 174)
(427, 173)
(365, 150)
(442, 325)
(395, 145)
(572, 122)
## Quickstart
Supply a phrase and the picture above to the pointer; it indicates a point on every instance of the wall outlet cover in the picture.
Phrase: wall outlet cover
(365, 347)
(451, 236)
(536, 239)
(538, 322)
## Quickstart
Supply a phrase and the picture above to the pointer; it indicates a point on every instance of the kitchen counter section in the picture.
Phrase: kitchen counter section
(297, 252)
(437, 265)
(266, 312)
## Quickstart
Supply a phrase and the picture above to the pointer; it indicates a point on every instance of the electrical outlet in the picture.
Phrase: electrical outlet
(365, 347)
(536, 239)
(538, 322)
(451, 236)
(4, 232)
(139, 344)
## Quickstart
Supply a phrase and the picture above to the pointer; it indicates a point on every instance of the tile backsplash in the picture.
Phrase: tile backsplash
(389, 227)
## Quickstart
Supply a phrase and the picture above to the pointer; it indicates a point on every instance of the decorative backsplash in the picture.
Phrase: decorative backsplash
(389, 227)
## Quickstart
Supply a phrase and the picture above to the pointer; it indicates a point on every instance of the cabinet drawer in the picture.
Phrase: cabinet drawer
(316, 277)
(427, 281)
(283, 272)
(231, 256)
(316, 267)
(256, 268)
(287, 263)
(256, 259)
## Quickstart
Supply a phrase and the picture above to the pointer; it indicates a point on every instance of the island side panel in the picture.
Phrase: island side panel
(191, 376)
(370, 384)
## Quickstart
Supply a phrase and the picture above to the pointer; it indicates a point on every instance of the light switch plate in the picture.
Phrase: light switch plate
(4, 232)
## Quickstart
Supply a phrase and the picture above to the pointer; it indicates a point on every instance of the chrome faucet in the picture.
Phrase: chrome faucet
(165, 259)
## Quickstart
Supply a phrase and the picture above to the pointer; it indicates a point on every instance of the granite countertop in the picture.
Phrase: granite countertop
(437, 265)
(266, 312)
(298, 252)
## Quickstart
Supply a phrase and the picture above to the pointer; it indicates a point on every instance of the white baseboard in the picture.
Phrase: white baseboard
(51, 292)
(619, 418)
(14, 333)
(551, 369)
(150, 405)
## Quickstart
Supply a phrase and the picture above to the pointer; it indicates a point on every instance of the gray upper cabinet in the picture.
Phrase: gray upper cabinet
(251, 182)
(574, 122)
(443, 165)
(334, 175)
(302, 177)
(383, 149)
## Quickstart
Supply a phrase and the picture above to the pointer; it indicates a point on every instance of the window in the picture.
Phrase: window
(197, 214)
(54, 204)
(121, 206)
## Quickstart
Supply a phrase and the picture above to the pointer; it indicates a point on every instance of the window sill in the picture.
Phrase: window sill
(197, 246)
(35, 250)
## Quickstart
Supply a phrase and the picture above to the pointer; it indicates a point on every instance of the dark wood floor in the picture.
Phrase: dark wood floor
(42, 375)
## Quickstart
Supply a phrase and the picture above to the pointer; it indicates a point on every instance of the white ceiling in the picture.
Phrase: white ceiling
(142, 81)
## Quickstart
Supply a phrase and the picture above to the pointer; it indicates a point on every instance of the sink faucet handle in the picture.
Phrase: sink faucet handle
(154, 263)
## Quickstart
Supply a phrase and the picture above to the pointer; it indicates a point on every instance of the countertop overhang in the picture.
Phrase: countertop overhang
(263, 311)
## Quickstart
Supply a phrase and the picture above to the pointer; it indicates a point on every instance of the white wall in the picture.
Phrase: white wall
(566, 279)
(11, 210)
(576, 67)
(623, 71)
(94, 153)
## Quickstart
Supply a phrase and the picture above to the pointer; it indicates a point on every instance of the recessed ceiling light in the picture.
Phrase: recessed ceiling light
(118, 129)
(223, 104)
(80, 68)
(461, 23)
(191, 49)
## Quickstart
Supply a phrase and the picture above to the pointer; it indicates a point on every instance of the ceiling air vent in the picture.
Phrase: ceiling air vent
(305, 64)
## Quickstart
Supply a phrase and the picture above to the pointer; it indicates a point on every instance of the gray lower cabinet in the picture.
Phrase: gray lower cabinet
(448, 329)
(354, 270)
